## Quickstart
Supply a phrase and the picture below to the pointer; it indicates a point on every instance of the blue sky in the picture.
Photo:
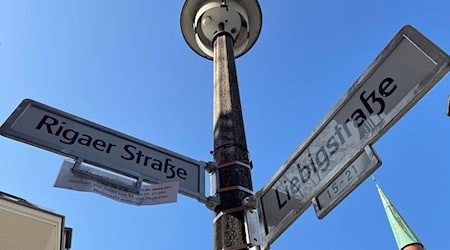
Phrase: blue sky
(125, 65)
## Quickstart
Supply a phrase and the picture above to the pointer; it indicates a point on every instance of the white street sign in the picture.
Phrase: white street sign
(51, 129)
(403, 73)
(148, 194)
(344, 183)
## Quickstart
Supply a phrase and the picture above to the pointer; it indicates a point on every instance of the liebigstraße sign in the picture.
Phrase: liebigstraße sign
(403, 73)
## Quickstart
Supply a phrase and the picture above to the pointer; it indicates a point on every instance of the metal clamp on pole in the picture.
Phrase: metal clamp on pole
(214, 199)
(228, 211)
(86, 173)
(241, 188)
(252, 223)
(234, 163)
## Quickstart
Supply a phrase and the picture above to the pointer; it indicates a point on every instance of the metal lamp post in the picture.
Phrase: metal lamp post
(221, 31)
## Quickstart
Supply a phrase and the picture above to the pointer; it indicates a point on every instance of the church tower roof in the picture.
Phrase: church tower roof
(405, 237)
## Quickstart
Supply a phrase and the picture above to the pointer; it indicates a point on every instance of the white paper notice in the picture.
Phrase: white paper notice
(148, 195)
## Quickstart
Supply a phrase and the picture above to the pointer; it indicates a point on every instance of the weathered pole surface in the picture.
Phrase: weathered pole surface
(230, 150)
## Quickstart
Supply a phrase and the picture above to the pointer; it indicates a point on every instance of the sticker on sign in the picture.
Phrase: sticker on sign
(399, 77)
(148, 194)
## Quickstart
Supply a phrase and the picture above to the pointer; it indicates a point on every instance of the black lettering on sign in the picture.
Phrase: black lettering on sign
(319, 156)
(132, 153)
(282, 200)
(70, 136)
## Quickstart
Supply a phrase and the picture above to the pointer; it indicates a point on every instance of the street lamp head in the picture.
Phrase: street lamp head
(202, 20)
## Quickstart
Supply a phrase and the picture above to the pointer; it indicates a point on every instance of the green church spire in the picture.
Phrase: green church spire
(404, 236)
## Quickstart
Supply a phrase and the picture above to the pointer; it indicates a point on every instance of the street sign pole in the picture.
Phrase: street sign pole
(230, 150)
(222, 31)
